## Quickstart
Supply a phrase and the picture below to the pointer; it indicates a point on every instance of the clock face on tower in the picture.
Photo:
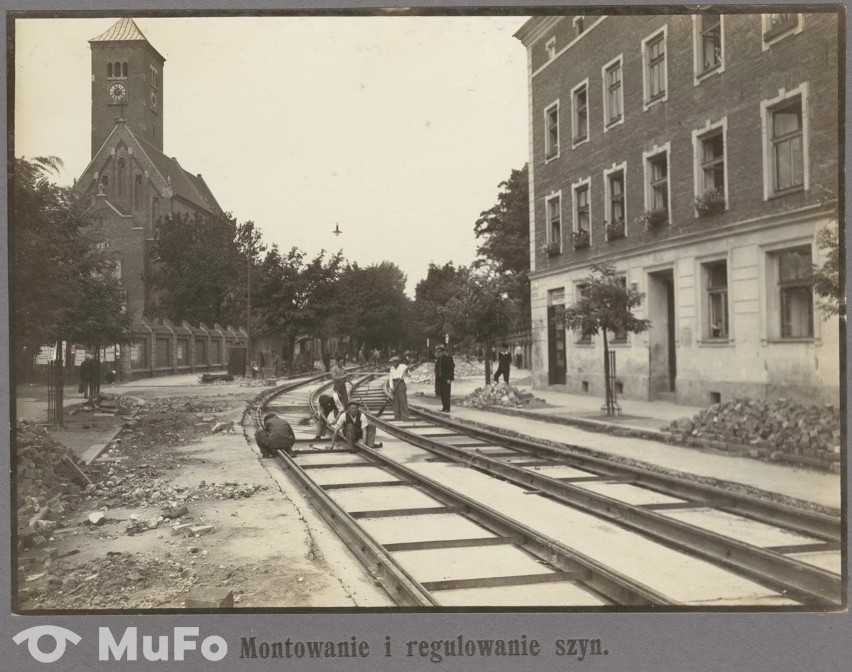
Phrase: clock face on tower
(117, 92)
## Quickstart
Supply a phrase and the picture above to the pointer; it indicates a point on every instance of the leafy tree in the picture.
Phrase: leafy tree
(195, 268)
(606, 305)
(64, 281)
(827, 281)
(374, 308)
(479, 308)
(293, 296)
(505, 249)
(432, 294)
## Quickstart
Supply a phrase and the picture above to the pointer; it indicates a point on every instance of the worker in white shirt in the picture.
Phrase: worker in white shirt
(399, 393)
(355, 426)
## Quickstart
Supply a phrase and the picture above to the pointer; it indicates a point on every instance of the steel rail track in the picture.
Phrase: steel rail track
(804, 582)
(562, 564)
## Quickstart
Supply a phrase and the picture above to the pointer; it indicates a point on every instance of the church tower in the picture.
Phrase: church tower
(127, 83)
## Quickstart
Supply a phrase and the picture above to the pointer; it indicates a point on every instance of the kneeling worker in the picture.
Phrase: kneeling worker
(355, 426)
(275, 434)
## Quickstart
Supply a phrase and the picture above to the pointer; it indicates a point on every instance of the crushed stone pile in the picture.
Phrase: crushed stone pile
(772, 428)
(114, 404)
(425, 373)
(116, 579)
(50, 480)
(120, 487)
(501, 394)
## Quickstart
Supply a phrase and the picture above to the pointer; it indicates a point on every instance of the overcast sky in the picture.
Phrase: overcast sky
(398, 128)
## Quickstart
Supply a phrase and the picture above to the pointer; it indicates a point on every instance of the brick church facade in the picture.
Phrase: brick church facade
(131, 185)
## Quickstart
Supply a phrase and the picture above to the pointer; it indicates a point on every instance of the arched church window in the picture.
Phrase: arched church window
(120, 176)
(124, 69)
(137, 192)
(109, 69)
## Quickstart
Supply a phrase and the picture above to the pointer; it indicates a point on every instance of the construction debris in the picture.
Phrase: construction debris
(502, 394)
(778, 430)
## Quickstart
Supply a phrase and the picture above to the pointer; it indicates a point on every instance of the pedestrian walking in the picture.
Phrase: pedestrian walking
(445, 369)
(399, 392)
(275, 434)
(339, 378)
(504, 362)
(519, 356)
(90, 376)
(355, 426)
(362, 359)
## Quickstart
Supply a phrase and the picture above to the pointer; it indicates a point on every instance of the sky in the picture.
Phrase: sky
(397, 129)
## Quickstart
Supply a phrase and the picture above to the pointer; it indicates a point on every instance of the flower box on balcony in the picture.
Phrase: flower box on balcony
(580, 238)
(552, 248)
(710, 202)
(614, 229)
(653, 219)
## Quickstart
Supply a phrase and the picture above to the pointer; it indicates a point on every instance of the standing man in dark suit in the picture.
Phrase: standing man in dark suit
(504, 362)
(445, 369)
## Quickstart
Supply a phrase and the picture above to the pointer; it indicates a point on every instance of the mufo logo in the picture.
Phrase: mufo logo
(61, 636)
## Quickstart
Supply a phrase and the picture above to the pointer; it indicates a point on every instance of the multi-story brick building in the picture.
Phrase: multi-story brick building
(131, 185)
(699, 153)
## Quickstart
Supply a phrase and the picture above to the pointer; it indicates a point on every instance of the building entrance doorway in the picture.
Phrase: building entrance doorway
(663, 353)
(555, 345)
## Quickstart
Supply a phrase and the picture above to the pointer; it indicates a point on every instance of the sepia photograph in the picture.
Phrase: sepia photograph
(370, 315)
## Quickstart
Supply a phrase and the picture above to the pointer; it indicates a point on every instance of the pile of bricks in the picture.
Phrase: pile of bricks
(776, 430)
(49, 482)
(501, 394)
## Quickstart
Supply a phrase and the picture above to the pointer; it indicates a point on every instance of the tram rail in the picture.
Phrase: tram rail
(520, 462)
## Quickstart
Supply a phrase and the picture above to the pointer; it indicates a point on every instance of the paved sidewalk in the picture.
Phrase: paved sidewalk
(575, 419)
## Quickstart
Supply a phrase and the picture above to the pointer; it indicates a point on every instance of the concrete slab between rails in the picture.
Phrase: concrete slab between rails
(807, 485)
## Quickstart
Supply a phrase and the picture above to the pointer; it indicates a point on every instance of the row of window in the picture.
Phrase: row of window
(785, 171)
(790, 297)
(120, 69)
(120, 185)
(709, 58)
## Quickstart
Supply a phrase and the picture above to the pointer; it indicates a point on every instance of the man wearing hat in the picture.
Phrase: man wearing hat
(355, 426)
(399, 393)
(340, 377)
(275, 434)
(445, 369)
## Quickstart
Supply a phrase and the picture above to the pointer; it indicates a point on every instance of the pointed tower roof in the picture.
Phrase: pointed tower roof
(123, 30)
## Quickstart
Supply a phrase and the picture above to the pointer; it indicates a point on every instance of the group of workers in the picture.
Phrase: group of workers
(276, 433)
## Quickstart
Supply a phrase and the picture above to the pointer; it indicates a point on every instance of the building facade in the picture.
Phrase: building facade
(131, 185)
(699, 153)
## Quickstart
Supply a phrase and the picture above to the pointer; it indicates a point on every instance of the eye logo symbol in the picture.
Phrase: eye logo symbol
(61, 636)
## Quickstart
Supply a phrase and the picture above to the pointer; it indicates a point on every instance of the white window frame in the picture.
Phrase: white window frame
(766, 109)
(698, 136)
(554, 196)
(611, 336)
(575, 213)
(652, 153)
(574, 143)
(662, 35)
(550, 48)
(579, 338)
(700, 73)
(615, 168)
(608, 125)
(703, 299)
(582, 20)
(548, 157)
(770, 299)
(765, 27)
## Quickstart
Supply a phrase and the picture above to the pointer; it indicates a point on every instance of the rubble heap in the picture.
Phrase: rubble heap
(502, 394)
(50, 480)
(425, 373)
(118, 580)
(777, 430)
